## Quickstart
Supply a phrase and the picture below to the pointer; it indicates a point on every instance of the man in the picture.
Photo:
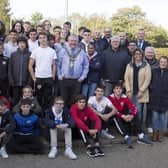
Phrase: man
(80, 33)
(131, 48)
(33, 42)
(73, 67)
(11, 45)
(27, 27)
(86, 39)
(114, 61)
(67, 26)
(57, 119)
(123, 41)
(89, 125)
(7, 126)
(44, 59)
(18, 72)
(3, 71)
(107, 36)
(102, 106)
(126, 116)
(141, 43)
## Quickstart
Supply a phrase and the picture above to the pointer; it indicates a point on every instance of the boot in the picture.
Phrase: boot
(154, 136)
(159, 136)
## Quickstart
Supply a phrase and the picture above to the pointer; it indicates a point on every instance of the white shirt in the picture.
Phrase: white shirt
(33, 45)
(43, 60)
(9, 48)
(99, 106)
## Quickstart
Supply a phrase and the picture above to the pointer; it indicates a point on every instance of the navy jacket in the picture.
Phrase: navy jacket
(27, 124)
(7, 123)
(159, 90)
(49, 119)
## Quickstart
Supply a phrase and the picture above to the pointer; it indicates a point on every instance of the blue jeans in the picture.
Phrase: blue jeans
(158, 120)
(138, 106)
(89, 89)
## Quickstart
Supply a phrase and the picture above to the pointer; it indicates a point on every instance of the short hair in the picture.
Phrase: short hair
(27, 22)
(163, 57)
(57, 27)
(32, 30)
(12, 31)
(100, 87)
(114, 38)
(131, 41)
(81, 28)
(25, 101)
(27, 87)
(93, 44)
(58, 98)
(23, 39)
(81, 97)
(67, 23)
(73, 36)
(87, 31)
(150, 47)
(118, 84)
(43, 34)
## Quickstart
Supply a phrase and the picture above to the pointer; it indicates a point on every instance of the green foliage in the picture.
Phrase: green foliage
(36, 18)
(161, 52)
(5, 12)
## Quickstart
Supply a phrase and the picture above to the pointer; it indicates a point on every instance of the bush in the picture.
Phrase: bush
(161, 52)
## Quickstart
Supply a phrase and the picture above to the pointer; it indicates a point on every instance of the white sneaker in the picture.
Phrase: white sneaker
(69, 153)
(53, 152)
(105, 134)
(3, 153)
(150, 130)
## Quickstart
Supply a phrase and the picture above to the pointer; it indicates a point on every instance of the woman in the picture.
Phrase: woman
(137, 80)
(159, 97)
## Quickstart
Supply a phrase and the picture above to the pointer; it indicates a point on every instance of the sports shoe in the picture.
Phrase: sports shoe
(3, 153)
(150, 130)
(69, 153)
(144, 141)
(128, 141)
(53, 152)
(98, 151)
(91, 152)
(105, 134)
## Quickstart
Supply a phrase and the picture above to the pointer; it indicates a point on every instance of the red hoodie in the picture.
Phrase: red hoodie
(81, 118)
(121, 103)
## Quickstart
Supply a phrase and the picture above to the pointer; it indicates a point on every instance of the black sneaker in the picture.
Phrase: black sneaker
(98, 151)
(91, 152)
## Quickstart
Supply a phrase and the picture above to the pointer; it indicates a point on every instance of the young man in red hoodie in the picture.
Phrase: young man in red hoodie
(89, 125)
(126, 116)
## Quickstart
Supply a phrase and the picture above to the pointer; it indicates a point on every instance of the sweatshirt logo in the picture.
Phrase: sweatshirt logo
(85, 118)
(122, 103)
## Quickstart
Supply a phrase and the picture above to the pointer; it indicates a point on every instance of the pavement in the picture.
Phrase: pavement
(117, 155)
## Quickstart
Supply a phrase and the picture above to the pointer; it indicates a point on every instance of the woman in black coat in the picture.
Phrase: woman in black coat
(159, 97)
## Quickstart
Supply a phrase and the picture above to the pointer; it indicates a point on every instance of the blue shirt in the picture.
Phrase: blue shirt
(80, 67)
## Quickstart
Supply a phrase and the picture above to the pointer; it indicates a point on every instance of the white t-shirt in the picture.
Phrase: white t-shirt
(101, 105)
(33, 45)
(43, 60)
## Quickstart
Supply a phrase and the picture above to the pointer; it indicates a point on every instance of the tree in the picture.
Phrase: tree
(5, 12)
(36, 18)
(130, 20)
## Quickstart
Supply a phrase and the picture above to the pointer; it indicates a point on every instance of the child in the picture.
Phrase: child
(27, 92)
(26, 137)
(58, 118)
(89, 124)
(7, 126)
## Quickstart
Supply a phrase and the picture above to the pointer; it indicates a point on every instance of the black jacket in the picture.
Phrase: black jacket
(159, 90)
(100, 44)
(7, 123)
(49, 118)
(18, 72)
(145, 44)
(3, 67)
(114, 64)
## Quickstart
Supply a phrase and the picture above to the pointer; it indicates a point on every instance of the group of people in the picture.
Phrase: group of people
(61, 81)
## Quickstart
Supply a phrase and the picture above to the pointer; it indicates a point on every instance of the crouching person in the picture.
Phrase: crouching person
(7, 126)
(26, 136)
(127, 116)
(57, 118)
(89, 125)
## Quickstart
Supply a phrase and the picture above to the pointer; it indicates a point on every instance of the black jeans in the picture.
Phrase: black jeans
(4, 87)
(70, 88)
(4, 141)
(44, 91)
(26, 144)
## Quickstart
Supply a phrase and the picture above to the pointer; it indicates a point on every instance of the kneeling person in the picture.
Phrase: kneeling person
(57, 118)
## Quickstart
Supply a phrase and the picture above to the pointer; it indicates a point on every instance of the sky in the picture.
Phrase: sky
(156, 10)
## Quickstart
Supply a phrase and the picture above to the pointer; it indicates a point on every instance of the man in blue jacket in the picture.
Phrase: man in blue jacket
(26, 137)
(58, 118)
